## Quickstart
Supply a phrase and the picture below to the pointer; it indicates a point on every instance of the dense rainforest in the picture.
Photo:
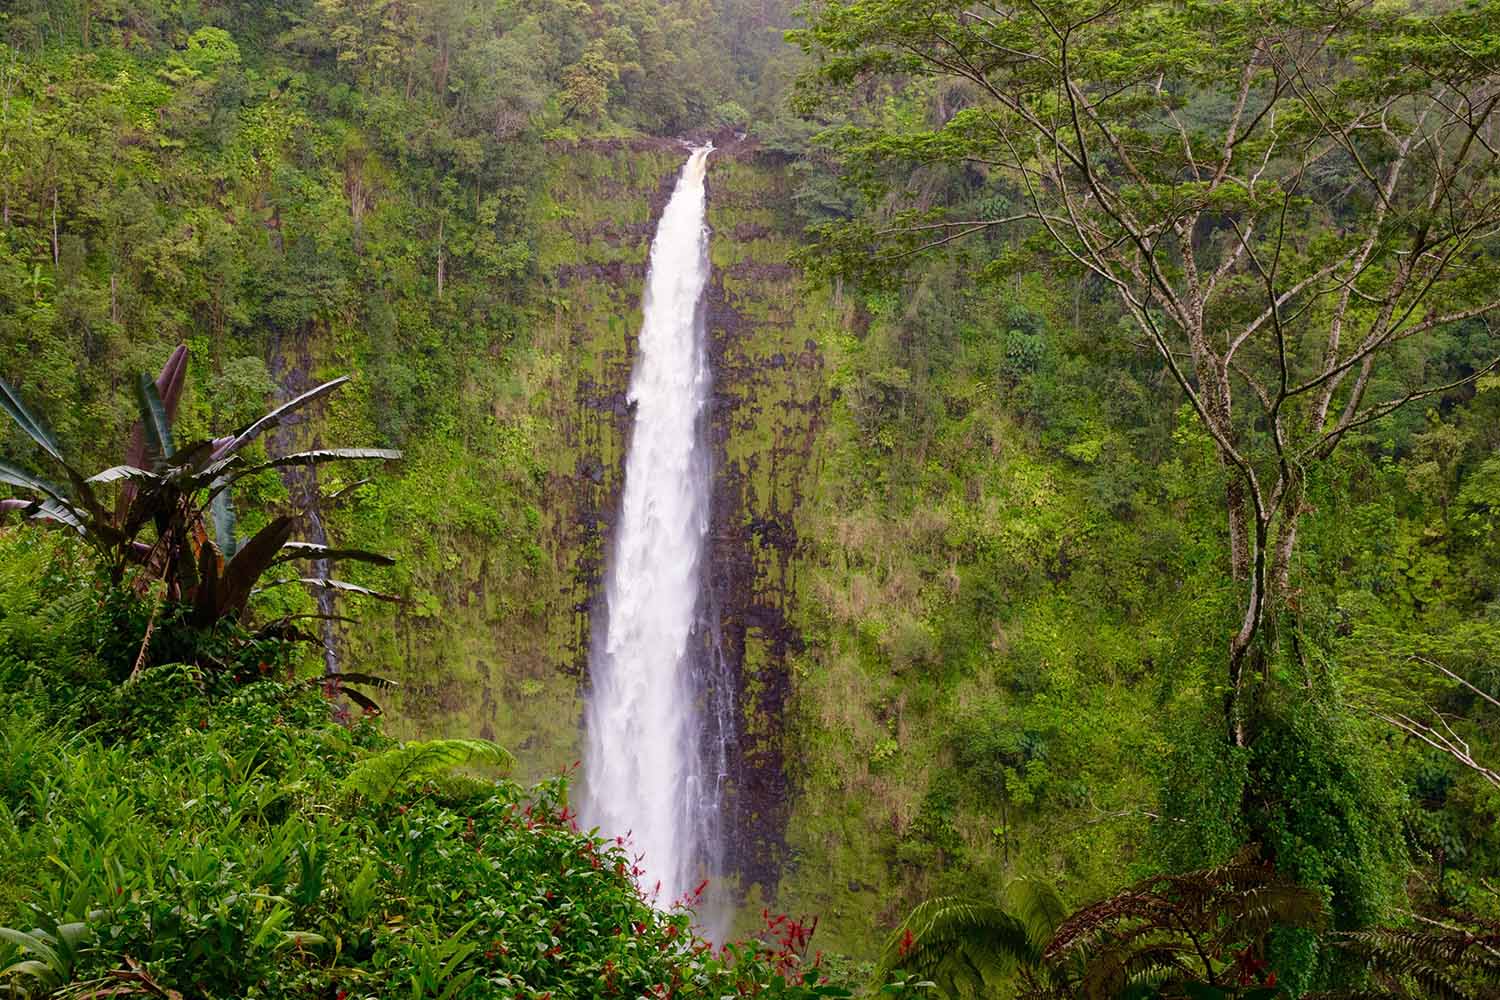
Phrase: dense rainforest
(1103, 514)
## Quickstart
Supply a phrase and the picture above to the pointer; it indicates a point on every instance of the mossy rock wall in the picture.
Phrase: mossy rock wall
(497, 642)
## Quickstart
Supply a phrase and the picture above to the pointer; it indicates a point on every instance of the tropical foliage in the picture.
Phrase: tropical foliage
(173, 493)
(967, 947)
(1456, 956)
(201, 841)
(1192, 936)
(382, 775)
(1127, 493)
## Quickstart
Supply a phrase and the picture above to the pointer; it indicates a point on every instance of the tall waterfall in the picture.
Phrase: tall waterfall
(646, 769)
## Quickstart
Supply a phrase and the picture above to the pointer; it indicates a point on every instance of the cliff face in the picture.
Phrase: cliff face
(768, 403)
(506, 653)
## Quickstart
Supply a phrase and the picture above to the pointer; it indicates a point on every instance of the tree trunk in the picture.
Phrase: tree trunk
(1244, 647)
(1237, 507)
(440, 262)
(1286, 540)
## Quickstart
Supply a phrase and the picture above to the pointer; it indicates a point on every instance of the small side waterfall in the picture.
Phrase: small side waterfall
(653, 766)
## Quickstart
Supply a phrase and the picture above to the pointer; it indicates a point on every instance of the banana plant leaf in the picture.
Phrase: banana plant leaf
(373, 680)
(51, 510)
(168, 391)
(308, 550)
(154, 419)
(12, 476)
(225, 524)
(118, 472)
(254, 558)
(344, 491)
(258, 427)
(10, 402)
(325, 583)
(316, 458)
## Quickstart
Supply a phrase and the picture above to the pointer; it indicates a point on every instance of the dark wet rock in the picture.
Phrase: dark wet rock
(590, 468)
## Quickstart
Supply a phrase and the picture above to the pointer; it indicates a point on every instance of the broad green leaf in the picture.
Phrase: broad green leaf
(154, 420)
(258, 427)
(10, 402)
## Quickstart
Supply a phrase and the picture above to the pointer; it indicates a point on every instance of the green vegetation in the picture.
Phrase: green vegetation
(1110, 483)
(183, 832)
(1166, 162)
(172, 490)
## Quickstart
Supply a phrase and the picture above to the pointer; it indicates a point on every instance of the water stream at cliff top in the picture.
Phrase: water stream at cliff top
(651, 768)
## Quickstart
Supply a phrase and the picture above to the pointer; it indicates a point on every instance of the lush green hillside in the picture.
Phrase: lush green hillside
(185, 834)
(969, 541)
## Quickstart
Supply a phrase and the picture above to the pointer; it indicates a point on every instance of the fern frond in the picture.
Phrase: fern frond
(948, 938)
(1038, 907)
(379, 777)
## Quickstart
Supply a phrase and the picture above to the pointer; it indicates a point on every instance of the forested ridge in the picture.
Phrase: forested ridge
(1106, 498)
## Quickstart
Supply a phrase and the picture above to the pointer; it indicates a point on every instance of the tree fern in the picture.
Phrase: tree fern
(1179, 931)
(1460, 962)
(379, 777)
(965, 946)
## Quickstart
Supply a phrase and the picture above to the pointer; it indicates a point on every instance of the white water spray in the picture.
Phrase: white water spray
(645, 767)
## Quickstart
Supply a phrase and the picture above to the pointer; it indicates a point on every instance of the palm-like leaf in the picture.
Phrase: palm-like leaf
(242, 571)
(10, 402)
(957, 942)
(379, 777)
(309, 550)
(258, 427)
(1179, 927)
(154, 419)
(1038, 907)
(962, 944)
(1460, 962)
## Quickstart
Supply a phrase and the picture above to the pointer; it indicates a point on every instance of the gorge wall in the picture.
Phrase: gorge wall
(505, 652)
(934, 660)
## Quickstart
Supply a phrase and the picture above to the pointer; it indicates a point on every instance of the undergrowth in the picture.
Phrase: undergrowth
(186, 832)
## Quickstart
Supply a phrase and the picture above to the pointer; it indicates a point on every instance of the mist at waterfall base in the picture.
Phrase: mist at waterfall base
(656, 723)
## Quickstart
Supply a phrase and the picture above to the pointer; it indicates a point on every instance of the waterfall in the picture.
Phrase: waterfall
(646, 770)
